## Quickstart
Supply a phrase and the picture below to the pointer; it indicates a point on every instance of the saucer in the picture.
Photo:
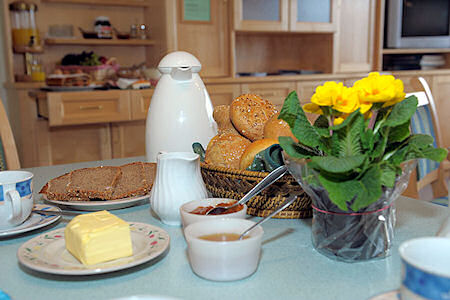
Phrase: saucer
(33, 222)
(391, 295)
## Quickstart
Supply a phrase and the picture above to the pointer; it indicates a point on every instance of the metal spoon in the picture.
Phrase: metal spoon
(283, 205)
(268, 180)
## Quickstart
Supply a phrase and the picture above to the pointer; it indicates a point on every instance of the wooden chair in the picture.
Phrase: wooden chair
(9, 159)
(426, 121)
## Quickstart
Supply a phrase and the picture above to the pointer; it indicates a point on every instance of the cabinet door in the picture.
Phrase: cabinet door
(441, 89)
(275, 92)
(140, 101)
(128, 139)
(354, 36)
(208, 41)
(312, 15)
(223, 94)
(257, 15)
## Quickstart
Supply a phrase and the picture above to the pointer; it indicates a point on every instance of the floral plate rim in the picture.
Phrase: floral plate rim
(34, 221)
(150, 241)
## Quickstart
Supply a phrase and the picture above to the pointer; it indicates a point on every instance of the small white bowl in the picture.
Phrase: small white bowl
(227, 260)
(188, 218)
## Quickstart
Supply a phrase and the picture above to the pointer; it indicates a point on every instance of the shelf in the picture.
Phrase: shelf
(99, 42)
(416, 51)
(135, 3)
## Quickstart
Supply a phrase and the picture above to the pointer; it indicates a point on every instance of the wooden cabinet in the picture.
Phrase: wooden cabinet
(223, 94)
(312, 15)
(140, 102)
(274, 92)
(355, 36)
(208, 41)
(254, 15)
(441, 91)
(128, 139)
(285, 15)
(71, 108)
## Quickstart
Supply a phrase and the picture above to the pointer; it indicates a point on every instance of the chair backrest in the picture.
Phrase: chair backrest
(9, 159)
(425, 121)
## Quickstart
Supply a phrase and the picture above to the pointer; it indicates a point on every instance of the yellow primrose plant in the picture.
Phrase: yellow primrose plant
(359, 140)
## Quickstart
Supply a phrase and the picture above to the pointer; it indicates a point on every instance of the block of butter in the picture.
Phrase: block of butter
(98, 237)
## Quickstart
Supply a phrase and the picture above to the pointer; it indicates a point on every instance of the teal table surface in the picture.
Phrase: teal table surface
(289, 268)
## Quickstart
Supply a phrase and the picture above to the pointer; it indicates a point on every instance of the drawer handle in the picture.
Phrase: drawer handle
(90, 107)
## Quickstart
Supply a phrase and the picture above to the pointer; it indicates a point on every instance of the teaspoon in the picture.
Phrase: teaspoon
(282, 206)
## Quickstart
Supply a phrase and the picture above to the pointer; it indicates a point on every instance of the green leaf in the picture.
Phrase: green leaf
(388, 175)
(293, 149)
(402, 112)
(380, 145)
(291, 108)
(301, 128)
(362, 192)
(420, 140)
(350, 137)
(367, 138)
(340, 192)
(333, 164)
(370, 188)
(399, 133)
(347, 121)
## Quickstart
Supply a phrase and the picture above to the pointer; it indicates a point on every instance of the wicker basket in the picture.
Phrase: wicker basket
(230, 183)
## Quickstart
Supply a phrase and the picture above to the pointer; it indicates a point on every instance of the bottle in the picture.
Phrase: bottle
(103, 28)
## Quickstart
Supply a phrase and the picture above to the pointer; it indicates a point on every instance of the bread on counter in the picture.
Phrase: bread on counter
(249, 113)
(101, 183)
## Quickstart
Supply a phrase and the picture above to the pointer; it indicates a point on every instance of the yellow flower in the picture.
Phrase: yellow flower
(338, 121)
(379, 88)
(326, 93)
(312, 108)
(347, 101)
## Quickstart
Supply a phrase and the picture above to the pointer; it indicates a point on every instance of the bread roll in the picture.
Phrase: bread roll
(249, 113)
(254, 148)
(275, 128)
(225, 150)
(221, 115)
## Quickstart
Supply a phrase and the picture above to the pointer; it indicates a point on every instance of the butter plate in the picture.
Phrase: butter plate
(47, 252)
(101, 204)
(34, 221)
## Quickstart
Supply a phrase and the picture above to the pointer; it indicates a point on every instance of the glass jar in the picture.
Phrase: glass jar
(23, 24)
(103, 27)
(37, 72)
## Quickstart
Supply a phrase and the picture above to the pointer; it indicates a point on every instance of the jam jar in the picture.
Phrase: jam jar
(103, 28)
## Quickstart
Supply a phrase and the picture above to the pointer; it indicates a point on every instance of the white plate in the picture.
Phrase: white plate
(47, 252)
(100, 205)
(33, 222)
(391, 295)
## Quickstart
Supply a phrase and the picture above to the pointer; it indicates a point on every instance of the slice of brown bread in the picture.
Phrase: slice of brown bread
(93, 183)
(149, 175)
(56, 189)
(132, 181)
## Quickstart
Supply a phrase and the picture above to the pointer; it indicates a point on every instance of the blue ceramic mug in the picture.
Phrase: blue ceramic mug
(425, 268)
(16, 197)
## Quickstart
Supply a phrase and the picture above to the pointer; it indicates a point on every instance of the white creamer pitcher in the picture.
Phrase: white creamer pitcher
(180, 111)
(178, 180)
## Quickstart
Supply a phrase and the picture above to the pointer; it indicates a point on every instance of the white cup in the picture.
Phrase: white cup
(425, 268)
(16, 197)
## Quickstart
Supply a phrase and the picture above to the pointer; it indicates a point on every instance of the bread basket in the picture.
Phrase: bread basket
(232, 183)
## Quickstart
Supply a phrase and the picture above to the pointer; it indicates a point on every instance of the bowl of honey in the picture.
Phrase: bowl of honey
(216, 253)
(195, 211)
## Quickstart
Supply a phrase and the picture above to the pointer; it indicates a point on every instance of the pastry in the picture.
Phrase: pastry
(249, 113)
(226, 150)
(221, 115)
(275, 128)
(254, 148)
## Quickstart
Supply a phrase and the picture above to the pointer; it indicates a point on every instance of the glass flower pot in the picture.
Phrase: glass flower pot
(350, 236)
